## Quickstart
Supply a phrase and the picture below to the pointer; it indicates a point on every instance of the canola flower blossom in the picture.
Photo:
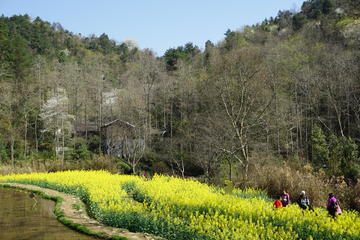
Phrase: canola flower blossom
(184, 209)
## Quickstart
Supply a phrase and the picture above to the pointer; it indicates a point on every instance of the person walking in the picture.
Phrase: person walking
(285, 198)
(333, 206)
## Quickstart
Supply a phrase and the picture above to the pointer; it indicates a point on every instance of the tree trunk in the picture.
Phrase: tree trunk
(25, 133)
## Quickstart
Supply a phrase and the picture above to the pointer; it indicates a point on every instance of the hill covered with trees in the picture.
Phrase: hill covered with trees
(286, 89)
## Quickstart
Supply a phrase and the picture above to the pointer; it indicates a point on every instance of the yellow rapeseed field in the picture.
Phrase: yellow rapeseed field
(184, 209)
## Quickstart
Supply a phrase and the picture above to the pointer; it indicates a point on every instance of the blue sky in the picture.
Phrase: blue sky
(154, 24)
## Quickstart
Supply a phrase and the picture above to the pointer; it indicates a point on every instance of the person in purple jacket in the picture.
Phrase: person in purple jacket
(333, 206)
(285, 198)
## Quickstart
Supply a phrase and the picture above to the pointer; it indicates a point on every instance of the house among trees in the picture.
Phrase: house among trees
(87, 127)
(118, 136)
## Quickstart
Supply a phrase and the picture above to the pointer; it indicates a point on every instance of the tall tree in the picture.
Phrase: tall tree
(19, 57)
(242, 90)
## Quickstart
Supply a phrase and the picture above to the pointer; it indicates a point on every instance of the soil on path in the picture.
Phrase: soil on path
(80, 216)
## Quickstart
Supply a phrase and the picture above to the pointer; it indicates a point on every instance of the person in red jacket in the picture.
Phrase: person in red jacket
(277, 203)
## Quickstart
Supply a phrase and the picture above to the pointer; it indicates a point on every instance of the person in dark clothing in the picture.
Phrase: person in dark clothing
(285, 198)
(304, 202)
(333, 206)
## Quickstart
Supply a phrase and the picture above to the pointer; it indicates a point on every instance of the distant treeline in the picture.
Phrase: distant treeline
(286, 88)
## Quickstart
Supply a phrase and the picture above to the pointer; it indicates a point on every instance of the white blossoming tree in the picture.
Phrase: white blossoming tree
(56, 119)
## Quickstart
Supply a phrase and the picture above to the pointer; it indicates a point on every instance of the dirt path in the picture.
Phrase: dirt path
(80, 217)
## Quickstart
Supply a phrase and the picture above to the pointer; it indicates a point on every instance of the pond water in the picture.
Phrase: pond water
(22, 218)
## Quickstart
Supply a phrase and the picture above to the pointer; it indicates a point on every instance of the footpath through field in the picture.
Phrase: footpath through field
(80, 217)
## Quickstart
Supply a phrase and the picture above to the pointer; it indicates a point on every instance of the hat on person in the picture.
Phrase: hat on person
(302, 192)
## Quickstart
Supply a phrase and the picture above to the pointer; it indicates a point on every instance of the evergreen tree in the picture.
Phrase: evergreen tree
(298, 21)
(319, 146)
(19, 57)
(105, 43)
(4, 39)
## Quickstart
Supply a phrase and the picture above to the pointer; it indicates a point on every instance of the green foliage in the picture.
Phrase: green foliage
(172, 55)
(335, 156)
(298, 21)
(128, 186)
(340, 154)
(83, 152)
(230, 39)
(68, 43)
(3, 151)
(124, 167)
(40, 37)
(343, 23)
(76, 207)
(350, 161)
(105, 43)
(63, 58)
(314, 9)
(344, 156)
(124, 52)
(185, 53)
(19, 57)
(93, 45)
(326, 6)
(80, 152)
(208, 46)
(4, 38)
(119, 238)
(95, 141)
(111, 78)
(284, 15)
(19, 149)
(161, 167)
(46, 154)
(319, 145)
(250, 193)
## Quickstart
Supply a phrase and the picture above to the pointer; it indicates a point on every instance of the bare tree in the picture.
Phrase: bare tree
(340, 85)
(135, 148)
(131, 109)
(143, 80)
(244, 93)
(28, 96)
(184, 98)
(40, 73)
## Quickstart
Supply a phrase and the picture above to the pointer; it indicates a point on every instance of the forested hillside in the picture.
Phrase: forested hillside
(286, 89)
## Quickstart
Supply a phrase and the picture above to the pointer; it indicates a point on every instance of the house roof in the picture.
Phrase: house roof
(117, 120)
(92, 124)
(86, 124)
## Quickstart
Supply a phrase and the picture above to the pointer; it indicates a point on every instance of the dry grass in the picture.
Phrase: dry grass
(99, 162)
(316, 185)
(8, 169)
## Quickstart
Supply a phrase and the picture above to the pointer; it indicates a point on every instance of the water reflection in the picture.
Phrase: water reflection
(22, 217)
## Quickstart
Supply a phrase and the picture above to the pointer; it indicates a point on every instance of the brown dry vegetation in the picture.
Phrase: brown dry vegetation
(99, 162)
(316, 185)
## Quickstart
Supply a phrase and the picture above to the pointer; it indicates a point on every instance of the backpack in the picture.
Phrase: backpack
(334, 206)
(284, 200)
